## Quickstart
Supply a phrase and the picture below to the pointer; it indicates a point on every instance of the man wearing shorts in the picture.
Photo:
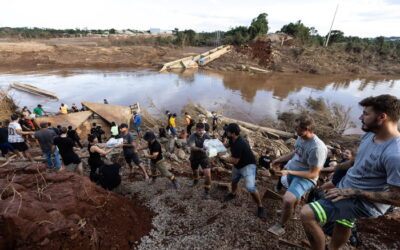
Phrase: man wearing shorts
(128, 146)
(244, 166)
(45, 137)
(198, 157)
(370, 186)
(302, 170)
(137, 121)
(15, 137)
(66, 145)
(156, 159)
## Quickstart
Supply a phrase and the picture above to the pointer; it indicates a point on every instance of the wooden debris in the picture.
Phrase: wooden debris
(269, 194)
(291, 243)
(33, 90)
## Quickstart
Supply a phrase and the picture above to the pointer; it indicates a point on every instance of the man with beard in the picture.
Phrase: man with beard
(244, 166)
(370, 186)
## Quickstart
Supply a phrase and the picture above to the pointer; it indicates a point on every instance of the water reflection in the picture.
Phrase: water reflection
(242, 95)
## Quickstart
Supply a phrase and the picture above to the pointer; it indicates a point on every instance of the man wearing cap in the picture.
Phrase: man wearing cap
(128, 146)
(157, 160)
(45, 137)
(198, 157)
(244, 166)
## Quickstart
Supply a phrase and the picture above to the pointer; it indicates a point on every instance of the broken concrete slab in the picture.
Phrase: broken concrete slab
(110, 112)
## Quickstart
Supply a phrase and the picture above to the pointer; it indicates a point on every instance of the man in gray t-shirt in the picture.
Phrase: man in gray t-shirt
(45, 137)
(130, 153)
(302, 170)
(370, 186)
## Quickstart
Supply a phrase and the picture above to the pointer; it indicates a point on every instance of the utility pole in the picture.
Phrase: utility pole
(333, 20)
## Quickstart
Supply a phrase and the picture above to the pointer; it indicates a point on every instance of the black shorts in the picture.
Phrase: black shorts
(71, 158)
(5, 148)
(132, 158)
(343, 212)
(20, 146)
(194, 164)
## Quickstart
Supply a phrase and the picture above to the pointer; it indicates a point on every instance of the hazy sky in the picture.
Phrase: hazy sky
(365, 18)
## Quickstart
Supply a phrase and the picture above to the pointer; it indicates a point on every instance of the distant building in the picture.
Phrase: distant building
(155, 31)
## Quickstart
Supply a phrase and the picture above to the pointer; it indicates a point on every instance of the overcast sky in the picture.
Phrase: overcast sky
(365, 18)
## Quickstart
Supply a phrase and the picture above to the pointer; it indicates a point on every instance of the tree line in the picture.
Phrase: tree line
(240, 35)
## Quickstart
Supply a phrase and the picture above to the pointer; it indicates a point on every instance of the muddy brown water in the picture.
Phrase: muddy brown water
(249, 97)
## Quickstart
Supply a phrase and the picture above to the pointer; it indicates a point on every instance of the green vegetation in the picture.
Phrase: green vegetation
(240, 35)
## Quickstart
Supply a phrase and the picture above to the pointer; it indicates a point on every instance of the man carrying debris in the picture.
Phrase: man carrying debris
(66, 145)
(128, 146)
(45, 137)
(244, 166)
(302, 170)
(157, 160)
(198, 157)
(370, 186)
(15, 137)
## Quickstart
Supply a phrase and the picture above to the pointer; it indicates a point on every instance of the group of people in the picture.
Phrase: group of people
(365, 185)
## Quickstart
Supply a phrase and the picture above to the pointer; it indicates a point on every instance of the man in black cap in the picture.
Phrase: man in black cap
(128, 146)
(198, 157)
(157, 160)
(244, 166)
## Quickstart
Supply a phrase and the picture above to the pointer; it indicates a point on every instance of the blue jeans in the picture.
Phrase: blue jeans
(299, 186)
(248, 173)
(49, 157)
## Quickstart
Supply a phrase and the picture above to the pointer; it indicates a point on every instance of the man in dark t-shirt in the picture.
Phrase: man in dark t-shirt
(156, 159)
(244, 166)
(5, 146)
(66, 146)
(128, 147)
(198, 157)
(45, 137)
(74, 136)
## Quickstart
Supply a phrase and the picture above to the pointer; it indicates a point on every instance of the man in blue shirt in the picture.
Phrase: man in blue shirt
(371, 185)
(137, 121)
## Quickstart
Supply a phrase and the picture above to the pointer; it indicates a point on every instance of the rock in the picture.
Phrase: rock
(220, 170)
(181, 154)
(171, 145)
(44, 242)
(181, 143)
(174, 157)
(290, 142)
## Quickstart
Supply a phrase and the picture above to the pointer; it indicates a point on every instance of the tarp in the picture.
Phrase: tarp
(71, 119)
(110, 112)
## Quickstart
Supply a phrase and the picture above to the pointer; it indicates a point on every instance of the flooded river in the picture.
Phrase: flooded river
(241, 95)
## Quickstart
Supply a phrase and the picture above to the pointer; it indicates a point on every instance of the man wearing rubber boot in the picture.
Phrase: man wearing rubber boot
(198, 157)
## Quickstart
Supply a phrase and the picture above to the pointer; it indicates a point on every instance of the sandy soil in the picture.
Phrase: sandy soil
(103, 53)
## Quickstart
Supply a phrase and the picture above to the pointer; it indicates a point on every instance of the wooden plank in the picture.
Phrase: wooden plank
(273, 132)
(33, 90)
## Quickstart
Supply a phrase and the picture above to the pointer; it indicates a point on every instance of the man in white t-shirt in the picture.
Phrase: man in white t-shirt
(15, 137)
